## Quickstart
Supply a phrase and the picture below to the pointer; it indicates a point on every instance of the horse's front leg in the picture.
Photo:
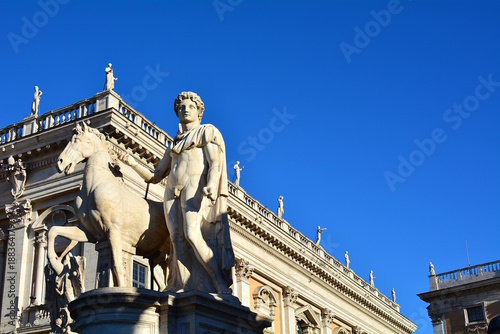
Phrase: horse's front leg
(115, 242)
(73, 233)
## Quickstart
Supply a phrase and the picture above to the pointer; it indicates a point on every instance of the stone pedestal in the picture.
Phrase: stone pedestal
(105, 262)
(132, 310)
(198, 312)
(117, 311)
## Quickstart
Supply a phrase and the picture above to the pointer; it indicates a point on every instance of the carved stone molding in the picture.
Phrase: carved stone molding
(19, 214)
(16, 175)
(264, 300)
(340, 330)
(289, 296)
(358, 330)
(243, 270)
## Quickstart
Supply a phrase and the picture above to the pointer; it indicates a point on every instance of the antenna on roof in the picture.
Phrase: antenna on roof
(467, 249)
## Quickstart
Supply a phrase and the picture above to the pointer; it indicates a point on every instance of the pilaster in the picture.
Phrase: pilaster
(243, 271)
(18, 265)
(289, 300)
(327, 317)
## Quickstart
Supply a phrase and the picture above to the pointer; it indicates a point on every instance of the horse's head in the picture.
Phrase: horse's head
(82, 145)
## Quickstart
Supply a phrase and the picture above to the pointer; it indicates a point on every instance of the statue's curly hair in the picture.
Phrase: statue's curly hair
(193, 97)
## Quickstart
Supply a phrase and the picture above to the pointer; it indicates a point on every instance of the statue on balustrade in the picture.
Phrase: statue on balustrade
(237, 173)
(319, 231)
(347, 261)
(110, 79)
(195, 202)
(280, 211)
(36, 102)
(62, 289)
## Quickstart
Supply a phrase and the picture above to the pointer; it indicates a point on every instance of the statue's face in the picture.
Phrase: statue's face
(187, 112)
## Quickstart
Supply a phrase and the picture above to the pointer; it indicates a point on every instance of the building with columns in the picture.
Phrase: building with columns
(464, 300)
(279, 272)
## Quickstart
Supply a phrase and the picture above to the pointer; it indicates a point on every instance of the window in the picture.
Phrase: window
(475, 314)
(139, 275)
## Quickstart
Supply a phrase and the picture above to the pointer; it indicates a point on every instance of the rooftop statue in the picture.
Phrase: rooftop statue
(319, 231)
(431, 269)
(36, 102)
(347, 261)
(108, 210)
(237, 171)
(195, 202)
(110, 79)
(280, 211)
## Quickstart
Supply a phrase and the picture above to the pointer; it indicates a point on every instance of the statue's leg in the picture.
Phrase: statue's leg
(178, 273)
(72, 233)
(192, 229)
(115, 242)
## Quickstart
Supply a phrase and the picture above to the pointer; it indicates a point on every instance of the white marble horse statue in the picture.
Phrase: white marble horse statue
(107, 210)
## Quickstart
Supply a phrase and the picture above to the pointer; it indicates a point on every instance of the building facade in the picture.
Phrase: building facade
(279, 272)
(465, 300)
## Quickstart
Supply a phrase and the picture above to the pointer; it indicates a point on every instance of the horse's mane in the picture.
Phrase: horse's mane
(115, 162)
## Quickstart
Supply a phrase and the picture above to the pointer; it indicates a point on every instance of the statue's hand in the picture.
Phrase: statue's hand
(127, 159)
(208, 191)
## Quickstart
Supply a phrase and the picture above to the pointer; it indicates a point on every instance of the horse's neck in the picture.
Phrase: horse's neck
(100, 158)
(97, 165)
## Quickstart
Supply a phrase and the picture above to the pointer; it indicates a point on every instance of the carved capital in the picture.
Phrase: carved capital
(41, 238)
(436, 317)
(327, 316)
(358, 330)
(290, 296)
(19, 214)
(243, 270)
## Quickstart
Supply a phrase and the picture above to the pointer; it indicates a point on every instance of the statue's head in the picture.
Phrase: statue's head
(109, 65)
(36, 88)
(193, 97)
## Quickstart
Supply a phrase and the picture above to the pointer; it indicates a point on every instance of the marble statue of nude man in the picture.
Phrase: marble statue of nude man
(195, 202)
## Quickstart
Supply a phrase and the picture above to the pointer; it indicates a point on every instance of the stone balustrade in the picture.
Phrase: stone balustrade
(319, 255)
(100, 102)
(464, 275)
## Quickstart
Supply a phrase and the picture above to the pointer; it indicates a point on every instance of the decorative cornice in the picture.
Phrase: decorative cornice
(310, 262)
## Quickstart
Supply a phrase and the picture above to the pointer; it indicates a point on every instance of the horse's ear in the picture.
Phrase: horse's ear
(84, 126)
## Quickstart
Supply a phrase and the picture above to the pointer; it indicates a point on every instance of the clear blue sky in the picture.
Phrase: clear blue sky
(366, 87)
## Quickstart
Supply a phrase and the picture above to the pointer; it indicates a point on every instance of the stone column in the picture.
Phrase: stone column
(289, 299)
(16, 287)
(41, 245)
(327, 317)
(243, 271)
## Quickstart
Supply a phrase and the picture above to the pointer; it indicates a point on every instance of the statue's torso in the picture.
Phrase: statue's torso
(188, 169)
